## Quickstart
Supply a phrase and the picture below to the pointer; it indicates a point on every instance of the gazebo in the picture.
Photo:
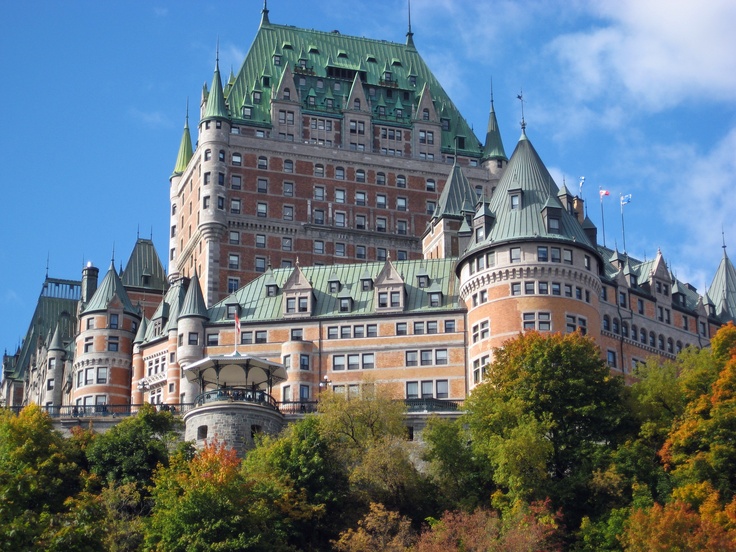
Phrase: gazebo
(235, 377)
(235, 401)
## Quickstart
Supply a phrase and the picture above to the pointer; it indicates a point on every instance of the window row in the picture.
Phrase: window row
(428, 389)
(286, 393)
(481, 331)
(360, 252)
(421, 328)
(553, 288)
(479, 369)
(113, 344)
(352, 332)
(426, 357)
(304, 361)
(354, 361)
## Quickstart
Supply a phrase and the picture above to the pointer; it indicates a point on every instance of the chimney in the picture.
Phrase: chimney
(89, 282)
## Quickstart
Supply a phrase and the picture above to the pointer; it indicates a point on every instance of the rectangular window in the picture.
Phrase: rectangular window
(542, 254)
(112, 344)
(113, 324)
(567, 256)
(304, 362)
(371, 330)
(515, 254)
(212, 340)
(289, 189)
(427, 389)
(516, 288)
(193, 338)
(432, 327)
(261, 336)
(262, 209)
(338, 362)
(354, 361)
(640, 306)
(412, 358)
(443, 389)
(418, 328)
(412, 390)
(555, 254)
(360, 251)
(101, 375)
(440, 356)
(426, 357)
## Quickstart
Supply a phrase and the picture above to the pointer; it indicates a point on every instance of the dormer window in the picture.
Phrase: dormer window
(276, 59)
(287, 94)
(231, 310)
(515, 201)
(272, 290)
(423, 281)
(356, 103)
(399, 113)
(334, 286)
(553, 226)
(267, 82)
(479, 234)
(413, 80)
(425, 114)
(345, 304)
(366, 284)
(256, 97)
(435, 299)
(387, 76)
(303, 63)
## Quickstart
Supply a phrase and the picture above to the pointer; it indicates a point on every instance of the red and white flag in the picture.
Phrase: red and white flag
(237, 324)
(604, 192)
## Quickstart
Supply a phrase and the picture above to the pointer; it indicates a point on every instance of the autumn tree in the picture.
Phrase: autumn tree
(380, 529)
(547, 414)
(211, 503)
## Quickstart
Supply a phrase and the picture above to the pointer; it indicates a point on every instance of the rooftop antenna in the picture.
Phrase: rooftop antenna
(47, 264)
(723, 237)
(138, 232)
(113, 254)
(491, 92)
(152, 232)
(520, 97)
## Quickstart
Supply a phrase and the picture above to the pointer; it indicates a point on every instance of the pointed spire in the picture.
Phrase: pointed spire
(194, 305)
(264, 14)
(409, 34)
(493, 148)
(185, 148)
(56, 342)
(216, 99)
(520, 97)
(140, 335)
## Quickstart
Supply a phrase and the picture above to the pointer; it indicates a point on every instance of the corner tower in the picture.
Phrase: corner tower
(529, 265)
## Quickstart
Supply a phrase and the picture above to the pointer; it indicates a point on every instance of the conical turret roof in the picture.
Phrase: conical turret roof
(111, 287)
(527, 177)
(722, 290)
(216, 99)
(493, 148)
(194, 304)
(458, 196)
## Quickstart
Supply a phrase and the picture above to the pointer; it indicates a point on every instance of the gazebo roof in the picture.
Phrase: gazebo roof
(237, 370)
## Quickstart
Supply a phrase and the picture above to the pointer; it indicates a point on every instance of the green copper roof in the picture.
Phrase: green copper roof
(257, 306)
(194, 304)
(458, 196)
(527, 177)
(144, 269)
(185, 150)
(723, 289)
(111, 287)
(493, 148)
(56, 307)
(140, 335)
(216, 98)
(336, 59)
(57, 343)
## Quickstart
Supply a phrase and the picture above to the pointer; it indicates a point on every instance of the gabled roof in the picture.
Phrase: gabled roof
(144, 269)
(339, 57)
(458, 196)
(110, 288)
(723, 289)
(256, 307)
(527, 175)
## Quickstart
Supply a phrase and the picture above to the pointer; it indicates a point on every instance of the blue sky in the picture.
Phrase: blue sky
(637, 96)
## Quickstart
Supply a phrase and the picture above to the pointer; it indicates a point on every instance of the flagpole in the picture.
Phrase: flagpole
(603, 220)
(623, 228)
(624, 200)
(237, 327)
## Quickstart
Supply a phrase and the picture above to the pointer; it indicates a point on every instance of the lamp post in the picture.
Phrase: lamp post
(324, 384)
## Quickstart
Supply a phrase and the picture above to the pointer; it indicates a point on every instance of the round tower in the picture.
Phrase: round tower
(529, 265)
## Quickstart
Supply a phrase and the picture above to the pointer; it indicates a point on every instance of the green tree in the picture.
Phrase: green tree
(546, 418)
(130, 451)
(37, 475)
(463, 476)
(302, 458)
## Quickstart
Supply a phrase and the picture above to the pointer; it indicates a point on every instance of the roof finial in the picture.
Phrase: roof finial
(47, 264)
(409, 33)
(491, 93)
(264, 13)
(520, 97)
(152, 232)
(723, 236)
(112, 261)
(217, 53)
(138, 232)
(186, 118)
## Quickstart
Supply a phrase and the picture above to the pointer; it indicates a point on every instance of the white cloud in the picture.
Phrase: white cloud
(659, 53)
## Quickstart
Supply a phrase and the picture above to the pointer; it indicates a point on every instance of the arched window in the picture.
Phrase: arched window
(360, 175)
(625, 329)
(262, 162)
(288, 166)
(356, 103)
(660, 342)
(679, 346)
(634, 332)
(319, 170)
(606, 323)
(381, 179)
(643, 336)
(652, 339)
(670, 346)
(616, 328)
(207, 155)
(425, 114)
